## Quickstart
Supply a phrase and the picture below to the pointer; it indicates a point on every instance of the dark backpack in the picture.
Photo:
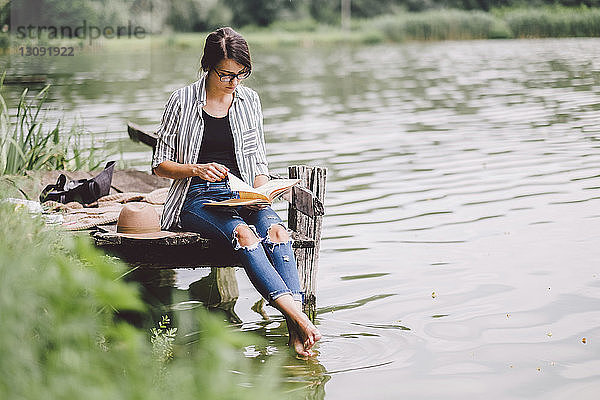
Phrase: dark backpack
(84, 191)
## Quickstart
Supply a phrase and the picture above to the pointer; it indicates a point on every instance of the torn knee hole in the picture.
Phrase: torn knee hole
(244, 237)
(278, 233)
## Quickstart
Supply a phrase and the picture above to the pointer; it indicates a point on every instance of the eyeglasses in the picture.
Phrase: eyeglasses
(230, 77)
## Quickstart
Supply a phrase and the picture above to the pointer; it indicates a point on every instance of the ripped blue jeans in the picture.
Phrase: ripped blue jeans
(270, 266)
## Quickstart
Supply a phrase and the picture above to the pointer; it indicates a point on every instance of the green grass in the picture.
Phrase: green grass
(26, 143)
(260, 38)
(60, 337)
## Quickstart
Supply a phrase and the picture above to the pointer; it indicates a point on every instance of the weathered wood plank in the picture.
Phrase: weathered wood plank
(20, 79)
(183, 250)
(137, 134)
(306, 202)
(194, 255)
(109, 233)
(313, 179)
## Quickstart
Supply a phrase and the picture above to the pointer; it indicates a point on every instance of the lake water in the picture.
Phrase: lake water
(460, 254)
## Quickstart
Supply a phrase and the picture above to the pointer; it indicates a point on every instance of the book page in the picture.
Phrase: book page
(238, 185)
(246, 191)
(273, 187)
(236, 202)
(267, 191)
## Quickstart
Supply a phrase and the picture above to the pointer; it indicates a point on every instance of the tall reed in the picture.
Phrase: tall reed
(440, 25)
(25, 144)
(553, 22)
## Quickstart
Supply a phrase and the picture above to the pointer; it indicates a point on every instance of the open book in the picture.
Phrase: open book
(262, 195)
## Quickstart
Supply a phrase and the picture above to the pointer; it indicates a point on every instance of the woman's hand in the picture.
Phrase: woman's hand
(211, 172)
(260, 180)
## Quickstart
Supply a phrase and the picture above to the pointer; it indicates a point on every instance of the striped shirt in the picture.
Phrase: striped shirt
(180, 137)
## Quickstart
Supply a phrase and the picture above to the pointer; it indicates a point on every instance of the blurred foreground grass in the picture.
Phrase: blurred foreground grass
(61, 337)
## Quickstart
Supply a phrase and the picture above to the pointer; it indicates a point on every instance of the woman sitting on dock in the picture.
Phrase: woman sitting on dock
(212, 128)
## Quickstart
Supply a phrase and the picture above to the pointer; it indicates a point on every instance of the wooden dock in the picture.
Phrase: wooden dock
(191, 250)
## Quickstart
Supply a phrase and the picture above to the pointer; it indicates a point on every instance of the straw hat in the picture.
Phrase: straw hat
(140, 221)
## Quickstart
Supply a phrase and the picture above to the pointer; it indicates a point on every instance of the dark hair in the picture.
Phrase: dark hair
(225, 43)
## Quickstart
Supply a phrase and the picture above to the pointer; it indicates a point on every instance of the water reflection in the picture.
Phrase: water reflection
(213, 288)
(178, 292)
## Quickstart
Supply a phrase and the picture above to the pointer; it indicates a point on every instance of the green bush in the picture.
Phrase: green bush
(60, 338)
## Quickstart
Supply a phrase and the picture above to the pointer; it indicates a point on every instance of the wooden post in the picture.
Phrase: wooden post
(314, 179)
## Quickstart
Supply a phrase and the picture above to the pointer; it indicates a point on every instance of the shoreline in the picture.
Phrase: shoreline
(432, 25)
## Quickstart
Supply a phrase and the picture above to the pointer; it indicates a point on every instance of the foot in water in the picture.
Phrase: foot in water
(295, 341)
(308, 333)
(303, 335)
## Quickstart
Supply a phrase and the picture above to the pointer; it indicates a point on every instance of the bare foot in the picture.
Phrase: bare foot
(295, 341)
(303, 334)
(307, 332)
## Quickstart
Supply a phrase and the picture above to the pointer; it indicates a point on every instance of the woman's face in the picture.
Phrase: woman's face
(226, 76)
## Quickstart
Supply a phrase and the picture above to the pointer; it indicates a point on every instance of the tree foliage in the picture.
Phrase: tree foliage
(256, 12)
(206, 15)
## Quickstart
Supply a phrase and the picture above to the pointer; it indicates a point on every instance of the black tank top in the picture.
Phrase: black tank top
(217, 144)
